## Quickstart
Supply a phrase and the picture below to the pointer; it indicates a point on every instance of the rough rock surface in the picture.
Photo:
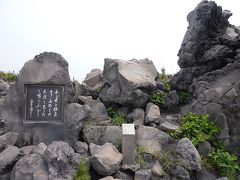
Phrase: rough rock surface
(98, 110)
(45, 68)
(152, 114)
(188, 155)
(126, 82)
(9, 138)
(74, 115)
(61, 160)
(8, 158)
(136, 117)
(93, 134)
(40, 149)
(30, 167)
(152, 139)
(204, 47)
(4, 87)
(169, 127)
(105, 159)
(81, 148)
(142, 175)
(93, 82)
(217, 94)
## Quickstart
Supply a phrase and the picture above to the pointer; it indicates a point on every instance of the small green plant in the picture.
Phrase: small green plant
(155, 155)
(183, 96)
(174, 134)
(117, 119)
(83, 172)
(165, 79)
(111, 112)
(225, 163)
(139, 157)
(158, 98)
(198, 128)
(10, 76)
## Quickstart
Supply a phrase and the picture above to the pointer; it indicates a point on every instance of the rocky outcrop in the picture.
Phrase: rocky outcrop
(217, 94)
(105, 159)
(127, 82)
(209, 44)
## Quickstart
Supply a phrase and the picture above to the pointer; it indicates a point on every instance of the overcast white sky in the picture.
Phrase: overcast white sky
(85, 32)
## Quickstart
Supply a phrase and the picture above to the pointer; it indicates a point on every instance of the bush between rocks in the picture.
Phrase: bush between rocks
(83, 172)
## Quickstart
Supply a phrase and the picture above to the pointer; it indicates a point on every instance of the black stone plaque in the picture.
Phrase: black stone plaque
(44, 104)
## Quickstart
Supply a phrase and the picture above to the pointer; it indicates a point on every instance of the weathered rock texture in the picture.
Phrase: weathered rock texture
(210, 60)
(105, 159)
(127, 82)
(30, 167)
(61, 160)
(209, 43)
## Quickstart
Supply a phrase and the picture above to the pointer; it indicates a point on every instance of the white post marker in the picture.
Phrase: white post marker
(128, 144)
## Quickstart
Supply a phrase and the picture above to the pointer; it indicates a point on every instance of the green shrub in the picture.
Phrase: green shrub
(10, 76)
(83, 172)
(225, 163)
(117, 119)
(111, 112)
(183, 96)
(139, 157)
(158, 98)
(198, 128)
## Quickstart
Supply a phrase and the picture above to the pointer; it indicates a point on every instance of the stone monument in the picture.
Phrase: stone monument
(36, 105)
(128, 144)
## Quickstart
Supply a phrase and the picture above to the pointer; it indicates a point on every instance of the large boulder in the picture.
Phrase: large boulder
(46, 68)
(8, 158)
(127, 82)
(75, 115)
(188, 155)
(152, 139)
(30, 167)
(105, 159)
(61, 160)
